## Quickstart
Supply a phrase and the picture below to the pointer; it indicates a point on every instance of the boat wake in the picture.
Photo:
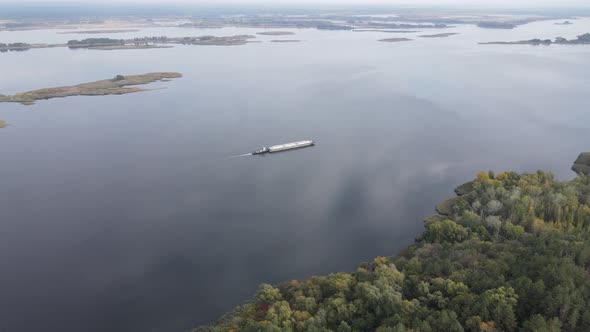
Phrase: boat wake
(240, 156)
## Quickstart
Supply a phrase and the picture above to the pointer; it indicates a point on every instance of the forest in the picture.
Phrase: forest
(510, 253)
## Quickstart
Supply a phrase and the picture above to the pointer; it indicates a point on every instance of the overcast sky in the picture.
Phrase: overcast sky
(486, 3)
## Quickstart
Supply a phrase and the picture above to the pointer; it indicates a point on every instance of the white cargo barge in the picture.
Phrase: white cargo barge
(285, 147)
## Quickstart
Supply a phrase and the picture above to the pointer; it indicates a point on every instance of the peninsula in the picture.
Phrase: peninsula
(116, 86)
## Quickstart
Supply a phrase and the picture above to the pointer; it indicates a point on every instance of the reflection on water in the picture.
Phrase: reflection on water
(123, 213)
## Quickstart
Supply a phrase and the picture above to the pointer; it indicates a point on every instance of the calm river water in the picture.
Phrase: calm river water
(123, 213)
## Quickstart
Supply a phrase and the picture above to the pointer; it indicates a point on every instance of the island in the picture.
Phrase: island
(285, 41)
(385, 31)
(394, 40)
(275, 33)
(127, 47)
(135, 43)
(394, 26)
(215, 41)
(580, 40)
(3, 124)
(116, 86)
(564, 23)
(511, 252)
(14, 47)
(440, 35)
(91, 32)
(582, 164)
(117, 44)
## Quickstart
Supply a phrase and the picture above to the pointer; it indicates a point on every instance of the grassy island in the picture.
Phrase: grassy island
(3, 124)
(510, 253)
(275, 33)
(440, 35)
(116, 86)
(394, 40)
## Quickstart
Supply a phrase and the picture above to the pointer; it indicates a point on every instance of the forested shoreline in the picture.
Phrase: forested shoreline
(510, 253)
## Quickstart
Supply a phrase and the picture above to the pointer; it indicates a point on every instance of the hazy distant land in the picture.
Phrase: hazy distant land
(285, 41)
(322, 21)
(116, 86)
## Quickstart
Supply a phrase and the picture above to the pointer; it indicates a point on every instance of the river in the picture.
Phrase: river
(124, 213)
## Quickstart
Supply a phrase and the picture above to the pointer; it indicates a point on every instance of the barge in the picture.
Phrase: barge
(285, 147)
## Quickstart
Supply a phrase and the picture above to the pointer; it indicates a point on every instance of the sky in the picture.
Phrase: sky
(485, 3)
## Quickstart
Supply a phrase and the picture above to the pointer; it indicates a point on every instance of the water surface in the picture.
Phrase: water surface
(123, 213)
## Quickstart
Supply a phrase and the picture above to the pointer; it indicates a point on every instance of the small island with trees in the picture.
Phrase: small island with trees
(116, 86)
(510, 253)
(135, 43)
(580, 40)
